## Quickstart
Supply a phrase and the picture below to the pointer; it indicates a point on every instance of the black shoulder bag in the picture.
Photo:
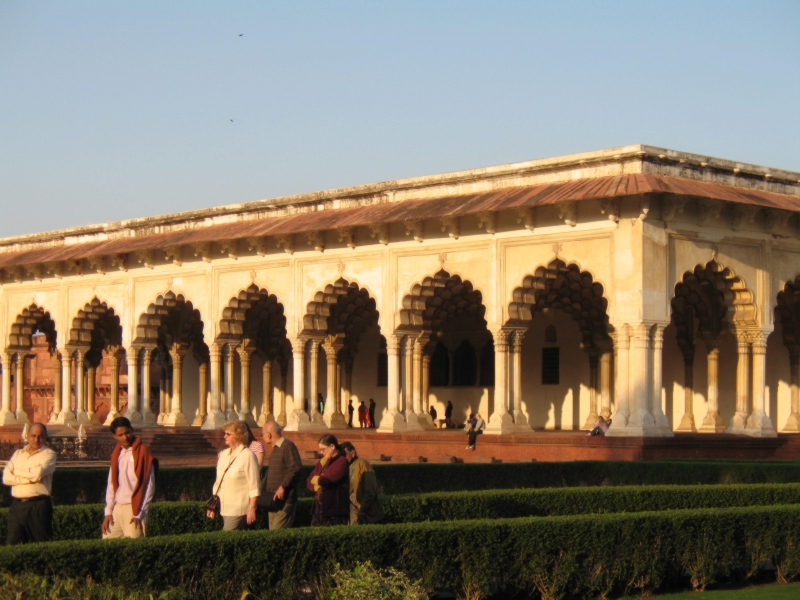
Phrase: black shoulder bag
(214, 502)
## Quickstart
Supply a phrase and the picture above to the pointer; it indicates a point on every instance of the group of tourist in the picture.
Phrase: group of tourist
(344, 485)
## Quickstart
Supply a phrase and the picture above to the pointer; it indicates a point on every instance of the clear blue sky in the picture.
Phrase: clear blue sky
(115, 110)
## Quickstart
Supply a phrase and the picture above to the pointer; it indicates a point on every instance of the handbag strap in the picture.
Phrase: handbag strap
(224, 473)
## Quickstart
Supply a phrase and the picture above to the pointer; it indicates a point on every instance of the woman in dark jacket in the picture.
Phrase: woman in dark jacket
(330, 482)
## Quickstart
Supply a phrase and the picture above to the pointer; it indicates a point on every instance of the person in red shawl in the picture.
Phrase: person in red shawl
(330, 482)
(131, 484)
(362, 414)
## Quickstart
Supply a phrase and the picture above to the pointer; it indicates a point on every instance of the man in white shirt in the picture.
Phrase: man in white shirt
(29, 473)
(131, 484)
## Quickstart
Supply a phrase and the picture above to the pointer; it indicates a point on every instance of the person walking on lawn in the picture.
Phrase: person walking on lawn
(283, 476)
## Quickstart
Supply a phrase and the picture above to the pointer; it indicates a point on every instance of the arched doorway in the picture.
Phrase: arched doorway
(556, 313)
(787, 314)
(171, 331)
(253, 333)
(443, 318)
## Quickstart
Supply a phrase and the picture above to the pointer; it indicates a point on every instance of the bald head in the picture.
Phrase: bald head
(271, 432)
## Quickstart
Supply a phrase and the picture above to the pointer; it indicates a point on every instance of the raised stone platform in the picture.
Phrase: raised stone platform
(193, 447)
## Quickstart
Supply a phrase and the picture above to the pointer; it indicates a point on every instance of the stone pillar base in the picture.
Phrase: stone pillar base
(521, 423)
(499, 424)
(248, 418)
(687, 424)
(111, 416)
(793, 424)
(662, 424)
(94, 419)
(85, 419)
(638, 425)
(738, 423)
(426, 421)
(335, 421)
(265, 417)
(68, 416)
(412, 423)
(760, 425)
(9, 418)
(712, 424)
(590, 421)
(198, 420)
(393, 423)
(135, 418)
(176, 419)
(215, 419)
(22, 418)
(300, 421)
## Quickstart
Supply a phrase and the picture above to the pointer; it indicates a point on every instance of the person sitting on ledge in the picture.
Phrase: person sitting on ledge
(600, 427)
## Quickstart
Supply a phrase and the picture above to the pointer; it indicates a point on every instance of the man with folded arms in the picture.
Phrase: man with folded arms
(131, 484)
(280, 488)
(29, 473)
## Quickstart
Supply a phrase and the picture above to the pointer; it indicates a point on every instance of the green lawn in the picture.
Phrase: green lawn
(765, 592)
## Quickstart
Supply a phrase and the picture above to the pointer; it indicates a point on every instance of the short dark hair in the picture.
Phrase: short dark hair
(120, 422)
(347, 447)
(329, 440)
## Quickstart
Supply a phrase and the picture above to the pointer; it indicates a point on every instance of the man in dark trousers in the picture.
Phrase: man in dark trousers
(29, 473)
(131, 484)
(372, 412)
(279, 491)
(448, 415)
(350, 411)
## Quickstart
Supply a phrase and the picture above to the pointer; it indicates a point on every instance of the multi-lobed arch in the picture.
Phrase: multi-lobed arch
(562, 286)
(29, 321)
(715, 298)
(255, 315)
(171, 319)
(439, 298)
(96, 327)
(342, 309)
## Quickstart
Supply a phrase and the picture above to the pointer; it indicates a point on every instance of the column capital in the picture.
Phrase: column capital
(393, 343)
(501, 338)
(214, 350)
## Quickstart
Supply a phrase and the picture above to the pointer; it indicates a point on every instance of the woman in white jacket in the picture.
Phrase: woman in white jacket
(237, 483)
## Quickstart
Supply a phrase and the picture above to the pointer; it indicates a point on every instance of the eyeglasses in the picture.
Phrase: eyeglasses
(227, 433)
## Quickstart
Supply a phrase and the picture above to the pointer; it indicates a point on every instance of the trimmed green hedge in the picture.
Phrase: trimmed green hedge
(87, 486)
(171, 518)
(579, 556)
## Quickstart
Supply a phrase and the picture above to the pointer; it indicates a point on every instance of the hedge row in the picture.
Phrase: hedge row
(556, 557)
(87, 486)
(171, 518)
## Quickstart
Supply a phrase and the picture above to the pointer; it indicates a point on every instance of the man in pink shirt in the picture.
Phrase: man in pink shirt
(131, 484)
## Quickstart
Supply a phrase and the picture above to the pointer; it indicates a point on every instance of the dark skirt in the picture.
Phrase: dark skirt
(317, 518)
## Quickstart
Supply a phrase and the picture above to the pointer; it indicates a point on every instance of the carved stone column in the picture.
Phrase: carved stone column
(6, 416)
(66, 415)
(22, 416)
(91, 395)
(412, 419)
(298, 420)
(282, 393)
(55, 357)
(332, 417)
(230, 412)
(113, 356)
(202, 395)
(423, 418)
(245, 411)
(133, 413)
(621, 339)
(216, 416)
(739, 421)
(347, 387)
(641, 421)
(426, 381)
(793, 423)
(712, 423)
(394, 421)
(266, 394)
(163, 386)
(759, 424)
(501, 420)
(317, 419)
(339, 386)
(605, 383)
(594, 367)
(657, 365)
(148, 418)
(176, 418)
(81, 400)
(687, 424)
(520, 419)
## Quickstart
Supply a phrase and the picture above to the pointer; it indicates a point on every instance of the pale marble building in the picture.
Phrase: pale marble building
(659, 287)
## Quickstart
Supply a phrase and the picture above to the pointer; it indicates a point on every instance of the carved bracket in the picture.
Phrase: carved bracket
(202, 250)
(98, 263)
(36, 271)
(773, 218)
(742, 214)
(417, 228)
(55, 269)
(259, 244)
(672, 206)
(610, 207)
(287, 241)
(119, 260)
(316, 239)
(568, 212)
(175, 254)
(381, 230)
(75, 266)
(347, 235)
(525, 215)
(451, 226)
(708, 210)
(488, 219)
(644, 207)
(146, 258)
(230, 247)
